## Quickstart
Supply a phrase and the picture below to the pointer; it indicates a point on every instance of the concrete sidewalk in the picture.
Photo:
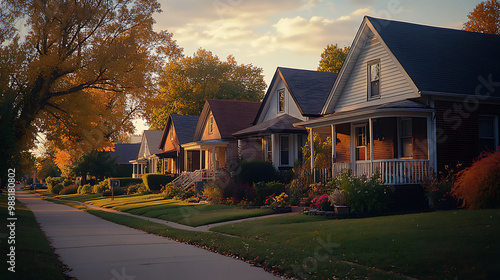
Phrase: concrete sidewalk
(96, 249)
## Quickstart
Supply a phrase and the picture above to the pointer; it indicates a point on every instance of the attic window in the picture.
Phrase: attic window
(281, 100)
(374, 79)
(211, 125)
(171, 132)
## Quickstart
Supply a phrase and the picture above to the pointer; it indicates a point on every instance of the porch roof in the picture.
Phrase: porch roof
(205, 144)
(138, 161)
(394, 109)
(166, 154)
(281, 124)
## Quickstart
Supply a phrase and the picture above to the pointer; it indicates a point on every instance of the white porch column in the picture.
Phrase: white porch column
(370, 124)
(334, 142)
(201, 158)
(311, 142)
(431, 142)
(353, 149)
(212, 164)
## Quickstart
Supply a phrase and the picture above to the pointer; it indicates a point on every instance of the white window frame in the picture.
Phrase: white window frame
(401, 137)
(281, 149)
(369, 79)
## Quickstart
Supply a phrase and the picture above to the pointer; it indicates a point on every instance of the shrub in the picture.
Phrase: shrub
(99, 188)
(52, 181)
(264, 190)
(280, 201)
(250, 172)
(133, 189)
(119, 191)
(172, 190)
(478, 186)
(71, 189)
(213, 192)
(438, 187)
(154, 182)
(85, 189)
(363, 194)
(239, 192)
(322, 203)
(338, 198)
(57, 188)
(127, 181)
(67, 182)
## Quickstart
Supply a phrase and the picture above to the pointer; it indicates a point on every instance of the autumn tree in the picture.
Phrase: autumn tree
(95, 163)
(81, 72)
(485, 18)
(188, 82)
(332, 58)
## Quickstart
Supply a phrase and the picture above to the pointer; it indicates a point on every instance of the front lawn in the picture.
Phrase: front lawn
(156, 206)
(34, 258)
(461, 244)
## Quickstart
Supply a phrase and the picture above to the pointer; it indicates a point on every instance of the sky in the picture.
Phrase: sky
(289, 33)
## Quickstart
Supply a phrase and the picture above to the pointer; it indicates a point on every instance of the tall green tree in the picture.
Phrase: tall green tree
(79, 71)
(186, 84)
(332, 58)
(485, 18)
(95, 163)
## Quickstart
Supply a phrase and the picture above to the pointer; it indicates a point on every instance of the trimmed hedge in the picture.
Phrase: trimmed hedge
(250, 172)
(71, 189)
(154, 182)
(126, 181)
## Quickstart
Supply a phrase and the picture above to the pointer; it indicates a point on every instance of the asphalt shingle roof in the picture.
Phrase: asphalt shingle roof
(309, 88)
(281, 124)
(442, 59)
(233, 115)
(184, 127)
(126, 152)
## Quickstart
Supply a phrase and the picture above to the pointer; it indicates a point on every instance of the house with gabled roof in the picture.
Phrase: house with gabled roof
(124, 153)
(179, 130)
(294, 95)
(146, 161)
(213, 138)
(411, 98)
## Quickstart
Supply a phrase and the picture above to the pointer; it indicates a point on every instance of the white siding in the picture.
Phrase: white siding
(394, 86)
(271, 109)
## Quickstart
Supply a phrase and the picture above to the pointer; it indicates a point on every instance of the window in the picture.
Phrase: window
(360, 136)
(211, 125)
(268, 148)
(374, 79)
(284, 150)
(488, 133)
(171, 132)
(406, 138)
(281, 100)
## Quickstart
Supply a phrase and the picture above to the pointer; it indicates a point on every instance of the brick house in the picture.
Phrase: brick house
(294, 95)
(179, 130)
(213, 137)
(411, 98)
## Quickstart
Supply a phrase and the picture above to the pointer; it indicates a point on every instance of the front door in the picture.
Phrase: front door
(360, 142)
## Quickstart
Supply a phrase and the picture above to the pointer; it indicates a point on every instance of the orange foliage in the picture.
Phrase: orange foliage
(478, 186)
(485, 18)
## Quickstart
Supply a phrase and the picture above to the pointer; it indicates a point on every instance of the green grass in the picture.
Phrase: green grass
(155, 206)
(273, 257)
(35, 258)
(439, 245)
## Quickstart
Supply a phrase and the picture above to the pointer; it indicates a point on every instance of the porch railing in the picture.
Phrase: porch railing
(187, 179)
(392, 171)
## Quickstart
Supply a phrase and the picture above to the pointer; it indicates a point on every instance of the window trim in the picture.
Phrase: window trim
(495, 131)
(281, 91)
(281, 150)
(211, 124)
(401, 137)
(368, 81)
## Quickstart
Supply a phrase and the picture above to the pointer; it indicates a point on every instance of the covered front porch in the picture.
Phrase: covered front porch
(202, 159)
(398, 144)
(139, 167)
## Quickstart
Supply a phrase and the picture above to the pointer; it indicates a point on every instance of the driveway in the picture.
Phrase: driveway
(97, 249)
